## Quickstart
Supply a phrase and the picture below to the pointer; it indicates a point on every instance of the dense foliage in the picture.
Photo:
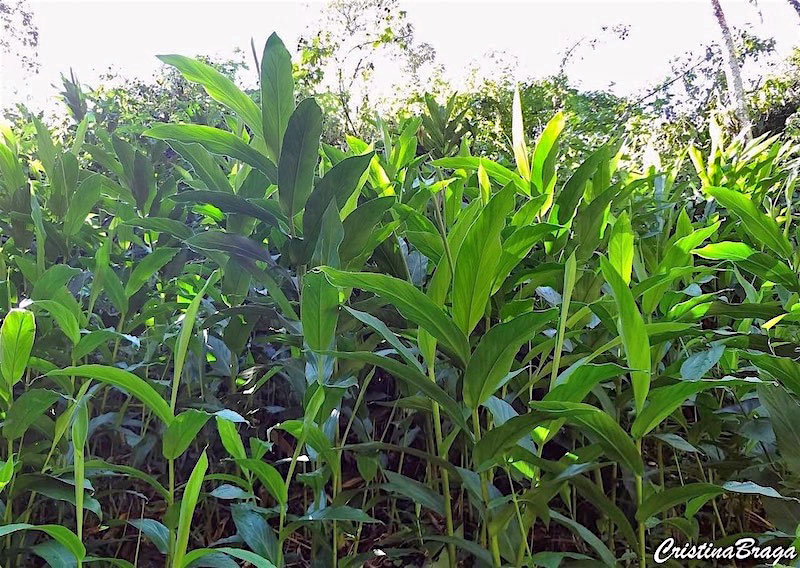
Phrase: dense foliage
(226, 341)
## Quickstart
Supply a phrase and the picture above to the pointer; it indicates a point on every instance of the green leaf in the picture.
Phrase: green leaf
(586, 536)
(62, 534)
(784, 413)
(277, 93)
(577, 381)
(339, 184)
(664, 401)
(620, 247)
(269, 478)
(410, 302)
(85, 198)
(182, 431)
(663, 500)
(246, 555)
(760, 227)
(237, 246)
(413, 378)
(184, 336)
(188, 502)
(145, 268)
(319, 311)
(206, 167)
(299, 154)
(26, 410)
(698, 364)
(230, 203)
(124, 380)
(477, 261)
(599, 426)
(491, 361)
(518, 137)
(16, 342)
(499, 173)
(762, 265)
(784, 369)
(411, 489)
(634, 335)
(498, 440)
(64, 318)
(218, 87)
(216, 141)
(156, 532)
(388, 335)
(162, 225)
(516, 247)
(230, 438)
(545, 154)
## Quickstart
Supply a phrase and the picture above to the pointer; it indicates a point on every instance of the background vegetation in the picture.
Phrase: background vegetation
(516, 325)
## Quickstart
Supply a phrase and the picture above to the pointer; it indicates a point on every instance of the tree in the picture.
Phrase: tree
(734, 75)
(20, 36)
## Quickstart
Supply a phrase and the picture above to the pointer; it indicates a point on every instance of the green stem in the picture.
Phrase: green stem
(639, 498)
(445, 477)
(493, 542)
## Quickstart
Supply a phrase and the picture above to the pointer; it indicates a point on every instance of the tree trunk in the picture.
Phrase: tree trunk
(735, 88)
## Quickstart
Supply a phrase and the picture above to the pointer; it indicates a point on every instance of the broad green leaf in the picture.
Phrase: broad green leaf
(544, 156)
(216, 141)
(784, 412)
(205, 166)
(476, 264)
(299, 155)
(240, 247)
(599, 426)
(182, 431)
(586, 536)
(516, 247)
(188, 502)
(388, 335)
(61, 534)
(124, 380)
(633, 332)
(758, 263)
(577, 381)
(319, 310)
(620, 247)
(760, 227)
(246, 555)
(784, 369)
(518, 137)
(413, 378)
(339, 184)
(500, 174)
(230, 203)
(155, 532)
(218, 87)
(698, 364)
(63, 316)
(184, 336)
(85, 198)
(269, 478)
(412, 489)
(230, 438)
(663, 401)
(25, 410)
(16, 342)
(163, 225)
(145, 268)
(491, 361)
(277, 93)
(411, 303)
(673, 496)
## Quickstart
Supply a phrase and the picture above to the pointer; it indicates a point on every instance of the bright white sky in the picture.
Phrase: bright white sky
(92, 36)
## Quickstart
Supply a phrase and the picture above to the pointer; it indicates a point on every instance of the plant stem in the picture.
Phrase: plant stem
(448, 506)
(493, 542)
(639, 498)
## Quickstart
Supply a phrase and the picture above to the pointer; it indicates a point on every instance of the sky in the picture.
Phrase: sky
(90, 37)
